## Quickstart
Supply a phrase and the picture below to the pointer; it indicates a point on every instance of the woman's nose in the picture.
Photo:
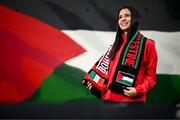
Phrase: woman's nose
(123, 19)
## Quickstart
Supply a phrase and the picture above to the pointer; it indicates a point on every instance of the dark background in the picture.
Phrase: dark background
(161, 15)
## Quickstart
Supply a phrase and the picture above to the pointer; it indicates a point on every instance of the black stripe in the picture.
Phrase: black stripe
(69, 18)
(99, 14)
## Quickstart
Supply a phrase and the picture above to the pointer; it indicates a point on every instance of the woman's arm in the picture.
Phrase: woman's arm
(149, 79)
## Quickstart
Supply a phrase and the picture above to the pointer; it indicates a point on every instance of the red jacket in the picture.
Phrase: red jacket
(146, 78)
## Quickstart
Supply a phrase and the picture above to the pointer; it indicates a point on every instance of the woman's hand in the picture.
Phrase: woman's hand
(89, 85)
(130, 91)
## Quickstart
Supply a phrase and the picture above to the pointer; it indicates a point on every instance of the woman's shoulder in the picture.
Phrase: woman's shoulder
(150, 41)
(150, 44)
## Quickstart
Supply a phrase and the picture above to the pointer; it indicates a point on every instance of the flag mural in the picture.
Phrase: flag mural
(47, 47)
(31, 50)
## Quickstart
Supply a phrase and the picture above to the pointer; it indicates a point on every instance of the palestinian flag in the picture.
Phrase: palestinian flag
(125, 78)
(47, 47)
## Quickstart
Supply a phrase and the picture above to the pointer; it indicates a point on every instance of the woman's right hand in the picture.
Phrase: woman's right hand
(89, 85)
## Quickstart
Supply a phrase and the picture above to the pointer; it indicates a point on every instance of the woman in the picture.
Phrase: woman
(128, 69)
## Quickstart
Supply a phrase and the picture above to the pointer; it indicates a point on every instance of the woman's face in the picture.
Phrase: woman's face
(124, 19)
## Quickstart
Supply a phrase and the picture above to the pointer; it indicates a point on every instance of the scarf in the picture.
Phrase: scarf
(126, 70)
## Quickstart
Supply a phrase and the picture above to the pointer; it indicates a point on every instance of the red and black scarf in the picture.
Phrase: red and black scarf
(129, 63)
(126, 69)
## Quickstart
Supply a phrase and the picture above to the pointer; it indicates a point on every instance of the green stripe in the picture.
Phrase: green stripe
(125, 53)
(166, 92)
(64, 86)
(125, 82)
(139, 52)
(92, 75)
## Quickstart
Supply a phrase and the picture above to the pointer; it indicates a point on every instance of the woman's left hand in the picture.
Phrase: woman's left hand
(130, 91)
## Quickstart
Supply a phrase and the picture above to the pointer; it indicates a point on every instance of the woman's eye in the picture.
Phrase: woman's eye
(127, 15)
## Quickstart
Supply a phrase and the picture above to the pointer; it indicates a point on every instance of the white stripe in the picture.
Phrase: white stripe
(97, 42)
(168, 48)
(127, 79)
(96, 78)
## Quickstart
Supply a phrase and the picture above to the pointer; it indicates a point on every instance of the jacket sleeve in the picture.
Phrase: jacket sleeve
(149, 78)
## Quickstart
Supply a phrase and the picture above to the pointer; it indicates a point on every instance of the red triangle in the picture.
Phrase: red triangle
(30, 51)
(119, 76)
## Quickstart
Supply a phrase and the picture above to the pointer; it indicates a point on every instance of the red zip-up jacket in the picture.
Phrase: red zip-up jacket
(146, 78)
